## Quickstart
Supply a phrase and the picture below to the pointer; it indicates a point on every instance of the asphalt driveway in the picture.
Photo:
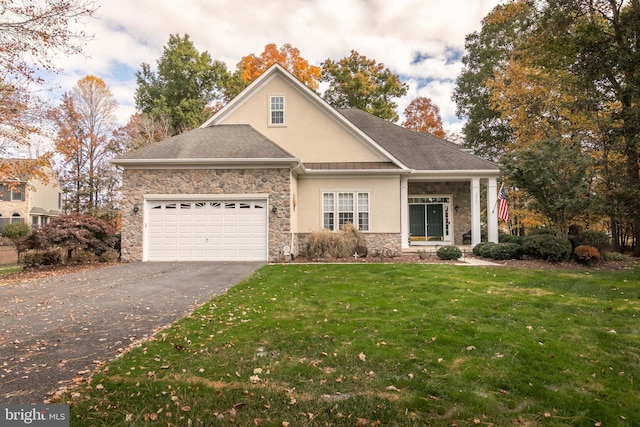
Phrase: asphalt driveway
(54, 328)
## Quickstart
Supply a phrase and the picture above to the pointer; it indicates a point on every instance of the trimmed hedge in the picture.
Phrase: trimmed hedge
(485, 250)
(547, 247)
(449, 252)
(507, 251)
(508, 238)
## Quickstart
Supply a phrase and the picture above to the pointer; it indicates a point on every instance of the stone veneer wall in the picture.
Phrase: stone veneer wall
(138, 182)
(461, 192)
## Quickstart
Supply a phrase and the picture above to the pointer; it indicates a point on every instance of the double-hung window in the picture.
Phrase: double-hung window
(276, 110)
(340, 208)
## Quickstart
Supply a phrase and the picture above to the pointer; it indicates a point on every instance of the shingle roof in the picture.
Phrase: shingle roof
(213, 142)
(416, 150)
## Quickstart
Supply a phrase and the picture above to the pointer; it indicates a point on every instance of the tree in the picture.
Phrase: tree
(73, 232)
(142, 130)
(184, 86)
(487, 52)
(422, 115)
(555, 177)
(358, 82)
(85, 122)
(31, 33)
(601, 49)
(251, 66)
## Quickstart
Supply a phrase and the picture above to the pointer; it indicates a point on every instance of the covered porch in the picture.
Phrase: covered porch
(447, 210)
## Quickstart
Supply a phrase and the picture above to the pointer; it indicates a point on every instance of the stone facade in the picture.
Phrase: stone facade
(461, 197)
(276, 183)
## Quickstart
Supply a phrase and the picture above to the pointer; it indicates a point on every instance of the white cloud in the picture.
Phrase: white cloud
(130, 32)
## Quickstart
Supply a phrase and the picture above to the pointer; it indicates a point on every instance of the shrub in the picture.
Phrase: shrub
(327, 244)
(449, 252)
(477, 248)
(598, 239)
(507, 251)
(74, 232)
(508, 238)
(15, 230)
(613, 256)
(485, 250)
(547, 247)
(586, 254)
(38, 259)
(543, 231)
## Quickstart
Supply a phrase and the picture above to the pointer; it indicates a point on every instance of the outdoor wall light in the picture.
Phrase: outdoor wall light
(136, 208)
(456, 208)
(274, 209)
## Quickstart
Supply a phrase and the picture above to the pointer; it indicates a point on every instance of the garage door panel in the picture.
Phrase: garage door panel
(206, 230)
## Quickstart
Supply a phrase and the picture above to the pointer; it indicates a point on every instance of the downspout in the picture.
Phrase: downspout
(299, 165)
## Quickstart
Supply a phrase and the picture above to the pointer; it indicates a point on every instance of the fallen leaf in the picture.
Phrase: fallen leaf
(393, 388)
(128, 418)
(257, 421)
(471, 348)
(284, 424)
(186, 408)
(362, 357)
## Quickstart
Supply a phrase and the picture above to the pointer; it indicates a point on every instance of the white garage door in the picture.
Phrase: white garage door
(206, 230)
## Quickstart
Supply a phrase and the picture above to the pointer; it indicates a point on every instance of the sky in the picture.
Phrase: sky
(422, 41)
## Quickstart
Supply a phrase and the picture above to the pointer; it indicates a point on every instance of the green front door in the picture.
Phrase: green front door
(435, 222)
(417, 222)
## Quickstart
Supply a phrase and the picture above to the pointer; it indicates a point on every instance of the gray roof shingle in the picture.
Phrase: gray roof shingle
(416, 150)
(213, 142)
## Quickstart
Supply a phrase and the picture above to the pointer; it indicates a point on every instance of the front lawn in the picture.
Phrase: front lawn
(387, 344)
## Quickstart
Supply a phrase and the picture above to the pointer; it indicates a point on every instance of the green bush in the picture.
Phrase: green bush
(543, 231)
(613, 256)
(449, 252)
(598, 239)
(15, 230)
(508, 238)
(477, 248)
(585, 254)
(507, 251)
(485, 250)
(547, 247)
(38, 259)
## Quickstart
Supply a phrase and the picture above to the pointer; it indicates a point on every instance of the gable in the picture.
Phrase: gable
(311, 132)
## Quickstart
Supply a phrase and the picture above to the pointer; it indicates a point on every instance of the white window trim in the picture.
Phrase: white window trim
(284, 115)
(336, 209)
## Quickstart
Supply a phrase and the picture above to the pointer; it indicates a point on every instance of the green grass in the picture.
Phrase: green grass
(4, 270)
(439, 345)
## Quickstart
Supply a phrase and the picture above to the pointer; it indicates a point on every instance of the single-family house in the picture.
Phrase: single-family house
(278, 162)
(28, 198)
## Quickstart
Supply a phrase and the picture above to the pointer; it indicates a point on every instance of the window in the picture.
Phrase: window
(17, 193)
(276, 110)
(347, 207)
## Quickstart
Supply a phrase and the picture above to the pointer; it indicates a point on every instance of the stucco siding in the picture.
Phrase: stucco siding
(303, 122)
(384, 199)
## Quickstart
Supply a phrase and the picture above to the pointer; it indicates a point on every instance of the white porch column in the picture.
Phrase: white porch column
(476, 231)
(404, 212)
(492, 210)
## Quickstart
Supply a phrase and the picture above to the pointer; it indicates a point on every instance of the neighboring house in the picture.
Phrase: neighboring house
(278, 162)
(29, 200)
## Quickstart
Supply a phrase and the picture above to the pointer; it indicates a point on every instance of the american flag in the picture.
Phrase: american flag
(503, 209)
